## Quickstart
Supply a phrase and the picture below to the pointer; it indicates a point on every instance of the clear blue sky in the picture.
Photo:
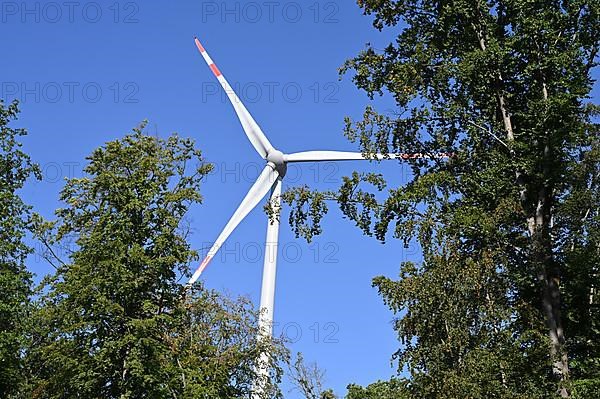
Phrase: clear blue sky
(87, 72)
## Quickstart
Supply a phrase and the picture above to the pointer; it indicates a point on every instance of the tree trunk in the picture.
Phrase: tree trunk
(539, 223)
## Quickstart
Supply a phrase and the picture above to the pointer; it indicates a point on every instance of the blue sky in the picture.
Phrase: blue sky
(88, 72)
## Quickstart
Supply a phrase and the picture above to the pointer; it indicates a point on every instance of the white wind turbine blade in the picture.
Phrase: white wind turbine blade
(256, 193)
(253, 131)
(320, 156)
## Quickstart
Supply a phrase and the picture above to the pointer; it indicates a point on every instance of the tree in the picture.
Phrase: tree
(504, 303)
(15, 281)
(308, 379)
(393, 389)
(214, 349)
(114, 321)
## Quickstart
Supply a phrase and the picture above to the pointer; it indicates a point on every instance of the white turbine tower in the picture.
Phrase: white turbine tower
(270, 179)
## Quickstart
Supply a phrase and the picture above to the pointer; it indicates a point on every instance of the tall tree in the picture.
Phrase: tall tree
(308, 379)
(114, 321)
(504, 303)
(15, 280)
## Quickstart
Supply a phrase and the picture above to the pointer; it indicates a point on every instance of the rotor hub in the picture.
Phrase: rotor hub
(277, 158)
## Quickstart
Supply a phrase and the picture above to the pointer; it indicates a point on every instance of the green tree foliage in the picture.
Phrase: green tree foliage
(214, 349)
(393, 389)
(114, 320)
(505, 301)
(15, 281)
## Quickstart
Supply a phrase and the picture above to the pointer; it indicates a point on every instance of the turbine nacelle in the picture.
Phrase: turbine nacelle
(278, 159)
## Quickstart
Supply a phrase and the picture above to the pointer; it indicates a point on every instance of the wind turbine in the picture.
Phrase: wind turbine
(271, 179)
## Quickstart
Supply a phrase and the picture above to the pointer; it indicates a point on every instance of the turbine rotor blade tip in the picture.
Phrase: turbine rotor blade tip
(251, 128)
(199, 45)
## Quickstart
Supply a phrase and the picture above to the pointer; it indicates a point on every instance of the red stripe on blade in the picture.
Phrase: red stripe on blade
(206, 260)
(215, 70)
(199, 45)
(205, 263)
